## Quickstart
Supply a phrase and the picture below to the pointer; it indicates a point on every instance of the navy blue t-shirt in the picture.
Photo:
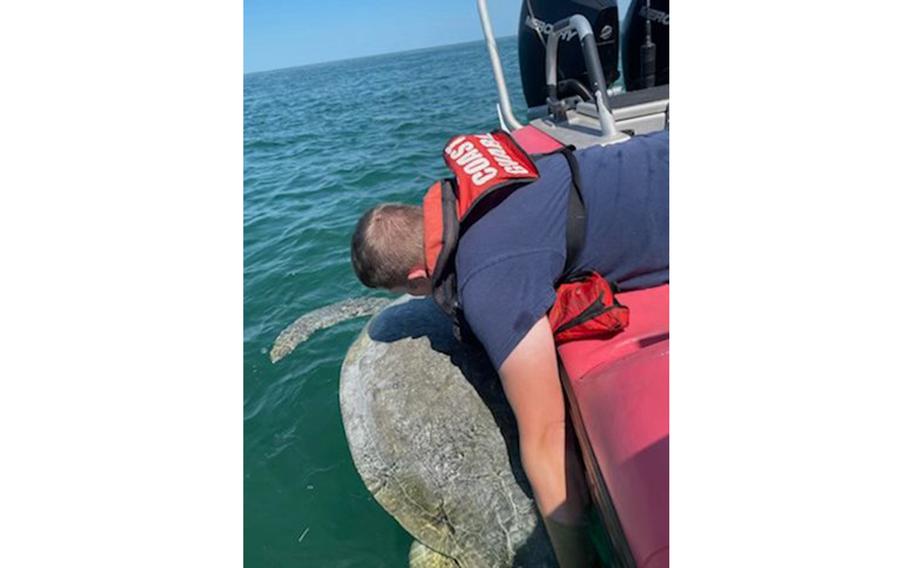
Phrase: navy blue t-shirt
(508, 262)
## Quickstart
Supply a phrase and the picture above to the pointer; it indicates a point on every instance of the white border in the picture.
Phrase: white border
(121, 234)
(789, 379)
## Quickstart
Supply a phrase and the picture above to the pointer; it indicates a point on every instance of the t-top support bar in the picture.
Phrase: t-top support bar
(592, 62)
(505, 104)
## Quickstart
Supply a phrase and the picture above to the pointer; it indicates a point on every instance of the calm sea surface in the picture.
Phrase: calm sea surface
(321, 144)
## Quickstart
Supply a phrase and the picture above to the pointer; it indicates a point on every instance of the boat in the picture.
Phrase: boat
(618, 389)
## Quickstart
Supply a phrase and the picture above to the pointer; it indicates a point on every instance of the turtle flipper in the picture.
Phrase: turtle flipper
(326, 316)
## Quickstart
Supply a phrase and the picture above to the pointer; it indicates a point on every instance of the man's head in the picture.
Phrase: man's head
(387, 249)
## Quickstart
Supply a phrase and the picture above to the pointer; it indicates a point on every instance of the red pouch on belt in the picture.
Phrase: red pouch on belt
(586, 308)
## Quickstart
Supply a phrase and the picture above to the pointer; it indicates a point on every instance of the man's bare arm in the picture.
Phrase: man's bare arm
(530, 378)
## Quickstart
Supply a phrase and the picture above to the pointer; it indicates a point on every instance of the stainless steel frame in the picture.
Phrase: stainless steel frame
(584, 123)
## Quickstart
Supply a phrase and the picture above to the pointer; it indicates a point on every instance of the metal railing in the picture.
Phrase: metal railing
(592, 62)
(505, 104)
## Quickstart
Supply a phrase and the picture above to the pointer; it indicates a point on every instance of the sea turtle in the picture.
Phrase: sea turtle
(435, 441)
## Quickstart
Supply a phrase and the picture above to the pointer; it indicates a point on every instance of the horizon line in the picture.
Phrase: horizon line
(372, 55)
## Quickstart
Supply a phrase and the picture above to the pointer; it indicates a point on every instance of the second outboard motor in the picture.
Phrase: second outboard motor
(537, 19)
(646, 44)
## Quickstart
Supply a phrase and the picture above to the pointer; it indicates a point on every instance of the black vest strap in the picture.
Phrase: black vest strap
(575, 214)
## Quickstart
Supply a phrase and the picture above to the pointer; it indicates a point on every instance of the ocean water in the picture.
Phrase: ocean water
(323, 143)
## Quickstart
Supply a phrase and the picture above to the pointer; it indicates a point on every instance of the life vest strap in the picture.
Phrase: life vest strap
(576, 217)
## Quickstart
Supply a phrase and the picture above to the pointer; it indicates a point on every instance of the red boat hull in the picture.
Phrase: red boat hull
(619, 398)
(618, 393)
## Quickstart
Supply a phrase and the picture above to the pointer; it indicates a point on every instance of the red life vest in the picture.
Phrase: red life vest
(487, 169)
(483, 164)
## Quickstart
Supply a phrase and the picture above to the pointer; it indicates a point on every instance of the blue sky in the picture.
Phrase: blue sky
(285, 33)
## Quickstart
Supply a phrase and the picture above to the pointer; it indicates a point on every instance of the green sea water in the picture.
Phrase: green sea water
(323, 143)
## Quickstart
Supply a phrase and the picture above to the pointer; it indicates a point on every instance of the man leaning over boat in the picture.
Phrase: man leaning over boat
(524, 253)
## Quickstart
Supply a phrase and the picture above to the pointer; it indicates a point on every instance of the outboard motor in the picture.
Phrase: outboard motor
(537, 19)
(646, 44)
